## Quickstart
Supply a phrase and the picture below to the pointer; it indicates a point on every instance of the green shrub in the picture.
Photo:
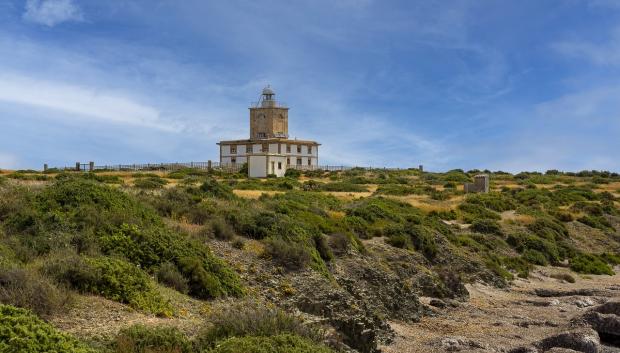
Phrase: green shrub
(221, 230)
(182, 173)
(535, 257)
(486, 226)
(342, 186)
(169, 275)
(563, 276)
(471, 212)
(284, 343)
(548, 228)
(591, 264)
(292, 173)
(249, 319)
(149, 339)
(399, 241)
(26, 289)
(291, 255)
(598, 222)
(610, 258)
(213, 188)
(321, 245)
(111, 278)
(494, 201)
(23, 332)
(150, 183)
(521, 266)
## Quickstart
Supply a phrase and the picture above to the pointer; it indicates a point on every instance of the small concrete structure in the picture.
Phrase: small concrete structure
(480, 184)
(269, 151)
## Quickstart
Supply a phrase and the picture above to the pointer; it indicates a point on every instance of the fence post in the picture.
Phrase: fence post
(45, 167)
(209, 165)
(91, 166)
(77, 166)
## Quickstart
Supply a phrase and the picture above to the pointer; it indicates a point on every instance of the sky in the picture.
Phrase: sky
(486, 84)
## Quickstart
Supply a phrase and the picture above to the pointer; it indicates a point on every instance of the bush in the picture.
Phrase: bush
(486, 226)
(344, 187)
(213, 188)
(292, 173)
(563, 276)
(169, 275)
(339, 243)
(150, 183)
(149, 339)
(111, 278)
(291, 255)
(25, 289)
(221, 230)
(590, 264)
(535, 257)
(285, 343)
(321, 245)
(252, 320)
(21, 331)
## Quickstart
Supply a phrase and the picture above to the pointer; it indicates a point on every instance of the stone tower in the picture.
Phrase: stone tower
(268, 118)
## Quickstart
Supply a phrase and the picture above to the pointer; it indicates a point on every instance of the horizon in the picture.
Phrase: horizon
(461, 85)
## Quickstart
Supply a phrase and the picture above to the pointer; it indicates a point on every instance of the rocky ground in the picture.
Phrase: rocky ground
(532, 311)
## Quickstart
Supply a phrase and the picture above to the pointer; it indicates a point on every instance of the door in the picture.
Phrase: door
(273, 168)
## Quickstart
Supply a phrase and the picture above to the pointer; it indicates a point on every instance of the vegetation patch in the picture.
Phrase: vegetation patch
(149, 339)
(21, 331)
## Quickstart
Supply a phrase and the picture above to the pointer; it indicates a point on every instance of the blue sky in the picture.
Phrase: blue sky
(503, 85)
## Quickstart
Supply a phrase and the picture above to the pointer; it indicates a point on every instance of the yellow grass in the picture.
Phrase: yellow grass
(255, 194)
(344, 195)
(425, 203)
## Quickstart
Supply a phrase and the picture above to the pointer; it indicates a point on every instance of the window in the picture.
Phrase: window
(262, 135)
(233, 160)
(248, 148)
(288, 161)
(265, 148)
(309, 149)
(298, 148)
(233, 149)
(288, 148)
(298, 161)
(279, 165)
(309, 161)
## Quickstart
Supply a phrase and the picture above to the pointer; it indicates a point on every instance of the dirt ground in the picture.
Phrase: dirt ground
(495, 320)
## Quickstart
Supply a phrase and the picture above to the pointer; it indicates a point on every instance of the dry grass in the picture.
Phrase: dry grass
(425, 203)
(347, 196)
(255, 194)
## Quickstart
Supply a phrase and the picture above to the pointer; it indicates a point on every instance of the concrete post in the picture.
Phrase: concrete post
(91, 166)
(77, 166)
(209, 165)
(45, 167)
(421, 168)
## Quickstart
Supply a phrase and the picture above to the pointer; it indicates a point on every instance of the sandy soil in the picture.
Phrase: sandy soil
(494, 320)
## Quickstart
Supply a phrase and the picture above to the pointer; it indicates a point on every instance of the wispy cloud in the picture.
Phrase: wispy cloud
(605, 52)
(52, 12)
(80, 102)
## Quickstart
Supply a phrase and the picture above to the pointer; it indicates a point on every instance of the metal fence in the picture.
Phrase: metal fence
(209, 165)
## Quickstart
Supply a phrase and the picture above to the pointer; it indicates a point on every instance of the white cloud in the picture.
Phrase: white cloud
(83, 103)
(52, 12)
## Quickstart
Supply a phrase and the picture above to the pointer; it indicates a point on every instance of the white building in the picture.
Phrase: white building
(269, 150)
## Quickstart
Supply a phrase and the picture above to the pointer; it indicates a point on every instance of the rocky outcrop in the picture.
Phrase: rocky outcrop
(583, 340)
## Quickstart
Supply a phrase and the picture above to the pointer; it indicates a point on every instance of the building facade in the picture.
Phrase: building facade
(269, 151)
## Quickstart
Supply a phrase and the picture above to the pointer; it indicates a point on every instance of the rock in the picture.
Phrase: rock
(586, 340)
(608, 324)
(561, 350)
(584, 302)
(553, 302)
(543, 292)
(438, 303)
(458, 343)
